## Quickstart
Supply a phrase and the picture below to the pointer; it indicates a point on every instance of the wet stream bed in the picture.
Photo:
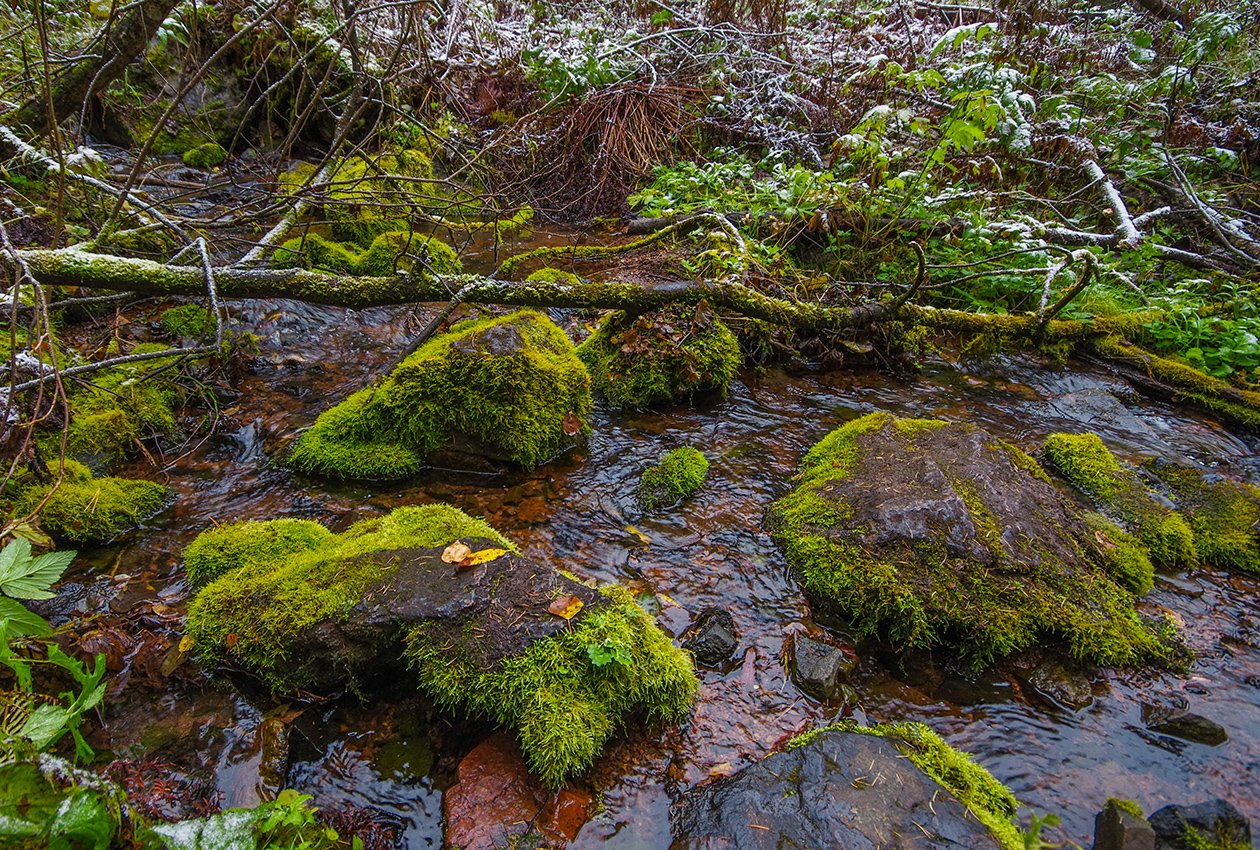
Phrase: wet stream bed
(394, 754)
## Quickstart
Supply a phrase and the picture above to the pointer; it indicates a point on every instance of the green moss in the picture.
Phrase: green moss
(187, 321)
(515, 402)
(374, 195)
(85, 509)
(205, 157)
(1224, 514)
(288, 579)
(1123, 557)
(1128, 806)
(388, 254)
(679, 474)
(1090, 467)
(923, 594)
(248, 544)
(990, 801)
(553, 275)
(668, 355)
(562, 706)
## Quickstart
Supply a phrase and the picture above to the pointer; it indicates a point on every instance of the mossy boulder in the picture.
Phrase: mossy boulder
(894, 785)
(667, 355)
(386, 255)
(206, 156)
(1225, 514)
(375, 194)
(678, 475)
(473, 623)
(86, 509)
(1119, 492)
(508, 387)
(930, 532)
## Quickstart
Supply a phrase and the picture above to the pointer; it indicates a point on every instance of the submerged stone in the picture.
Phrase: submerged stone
(475, 624)
(511, 385)
(1178, 723)
(1213, 825)
(667, 355)
(887, 787)
(930, 532)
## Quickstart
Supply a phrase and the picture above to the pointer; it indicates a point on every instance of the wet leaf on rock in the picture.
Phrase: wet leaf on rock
(572, 425)
(483, 556)
(565, 606)
(456, 552)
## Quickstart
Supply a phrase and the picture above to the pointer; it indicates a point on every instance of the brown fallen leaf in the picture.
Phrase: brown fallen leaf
(456, 552)
(483, 556)
(572, 425)
(233, 639)
(565, 606)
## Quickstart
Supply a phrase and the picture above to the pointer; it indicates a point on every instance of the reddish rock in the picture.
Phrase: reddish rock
(496, 801)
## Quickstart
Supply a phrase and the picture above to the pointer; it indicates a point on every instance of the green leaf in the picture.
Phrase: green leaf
(45, 725)
(16, 620)
(84, 822)
(24, 577)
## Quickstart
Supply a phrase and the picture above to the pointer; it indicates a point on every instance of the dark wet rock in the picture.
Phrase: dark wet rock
(1120, 826)
(1214, 824)
(818, 668)
(924, 530)
(1186, 725)
(1061, 683)
(496, 802)
(713, 639)
(842, 789)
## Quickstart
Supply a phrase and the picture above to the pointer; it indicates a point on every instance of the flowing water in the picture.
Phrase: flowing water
(395, 754)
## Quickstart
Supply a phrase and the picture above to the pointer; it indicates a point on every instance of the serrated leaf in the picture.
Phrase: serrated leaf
(24, 577)
(16, 620)
(34, 534)
(45, 725)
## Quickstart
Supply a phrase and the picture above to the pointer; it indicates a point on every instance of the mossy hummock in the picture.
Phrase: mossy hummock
(670, 354)
(679, 474)
(932, 533)
(388, 254)
(1115, 488)
(305, 608)
(371, 195)
(512, 384)
(86, 509)
(187, 321)
(957, 772)
(1224, 514)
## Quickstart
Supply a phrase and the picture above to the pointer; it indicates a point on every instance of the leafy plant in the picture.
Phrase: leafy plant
(608, 652)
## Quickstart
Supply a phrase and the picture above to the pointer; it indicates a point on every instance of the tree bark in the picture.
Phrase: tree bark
(120, 44)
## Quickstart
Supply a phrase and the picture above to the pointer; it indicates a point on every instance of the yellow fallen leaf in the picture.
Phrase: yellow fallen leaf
(456, 552)
(482, 557)
(565, 606)
(186, 643)
(642, 538)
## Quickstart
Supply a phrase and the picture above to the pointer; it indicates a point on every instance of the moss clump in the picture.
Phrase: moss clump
(1091, 467)
(990, 801)
(1017, 562)
(678, 475)
(205, 157)
(187, 321)
(257, 612)
(122, 406)
(1128, 806)
(1224, 514)
(388, 254)
(511, 383)
(86, 509)
(249, 544)
(562, 704)
(554, 275)
(377, 194)
(667, 355)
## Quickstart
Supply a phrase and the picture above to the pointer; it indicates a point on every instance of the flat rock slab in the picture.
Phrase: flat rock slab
(842, 790)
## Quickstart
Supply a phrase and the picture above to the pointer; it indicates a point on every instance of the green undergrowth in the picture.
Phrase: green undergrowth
(678, 475)
(206, 156)
(512, 383)
(372, 195)
(671, 354)
(1224, 514)
(268, 582)
(923, 594)
(990, 801)
(1091, 467)
(187, 321)
(87, 509)
(562, 705)
(387, 254)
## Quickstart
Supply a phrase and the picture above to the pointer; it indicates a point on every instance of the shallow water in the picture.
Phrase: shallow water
(396, 754)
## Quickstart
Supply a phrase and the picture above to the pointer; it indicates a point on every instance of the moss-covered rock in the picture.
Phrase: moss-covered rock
(671, 354)
(679, 474)
(553, 275)
(371, 195)
(388, 254)
(932, 533)
(1224, 514)
(206, 156)
(512, 385)
(475, 622)
(187, 321)
(1116, 489)
(86, 509)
